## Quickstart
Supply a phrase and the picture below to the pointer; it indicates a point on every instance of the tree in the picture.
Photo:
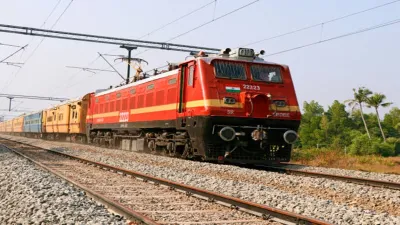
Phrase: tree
(378, 100)
(392, 119)
(310, 132)
(360, 97)
(339, 124)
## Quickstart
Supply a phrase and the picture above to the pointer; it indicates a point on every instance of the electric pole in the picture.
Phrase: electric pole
(129, 48)
(9, 105)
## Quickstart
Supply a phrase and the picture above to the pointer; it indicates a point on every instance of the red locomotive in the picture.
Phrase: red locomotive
(232, 106)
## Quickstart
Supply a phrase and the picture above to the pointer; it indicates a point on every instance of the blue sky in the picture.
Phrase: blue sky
(322, 72)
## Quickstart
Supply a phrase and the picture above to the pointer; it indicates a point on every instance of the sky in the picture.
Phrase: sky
(322, 72)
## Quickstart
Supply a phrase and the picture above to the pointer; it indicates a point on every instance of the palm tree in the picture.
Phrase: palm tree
(360, 96)
(376, 101)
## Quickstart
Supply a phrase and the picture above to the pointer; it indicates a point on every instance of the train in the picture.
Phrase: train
(232, 107)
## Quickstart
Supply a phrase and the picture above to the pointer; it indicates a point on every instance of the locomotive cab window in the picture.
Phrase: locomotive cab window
(264, 73)
(230, 70)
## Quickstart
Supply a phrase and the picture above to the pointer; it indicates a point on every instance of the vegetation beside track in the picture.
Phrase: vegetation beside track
(352, 131)
(349, 138)
(334, 158)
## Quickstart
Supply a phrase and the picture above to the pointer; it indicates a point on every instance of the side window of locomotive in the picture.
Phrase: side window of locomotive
(266, 73)
(172, 81)
(191, 76)
(230, 70)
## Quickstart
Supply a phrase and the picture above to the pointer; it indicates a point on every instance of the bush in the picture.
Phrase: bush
(362, 145)
(384, 149)
(396, 143)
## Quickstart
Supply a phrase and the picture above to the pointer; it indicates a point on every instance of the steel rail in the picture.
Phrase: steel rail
(357, 180)
(114, 206)
(257, 209)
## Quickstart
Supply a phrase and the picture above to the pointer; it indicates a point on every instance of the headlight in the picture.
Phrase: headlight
(229, 100)
(280, 103)
(227, 133)
(290, 136)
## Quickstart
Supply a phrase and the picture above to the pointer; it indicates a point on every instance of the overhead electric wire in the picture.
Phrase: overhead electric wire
(176, 20)
(47, 18)
(214, 19)
(206, 23)
(45, 21)
(12, 54)
(17, 46)
(148, 34)
(55, 23)
(41, 41)
(51, 13)
(392, 22)
(165, 25)
(321, 23)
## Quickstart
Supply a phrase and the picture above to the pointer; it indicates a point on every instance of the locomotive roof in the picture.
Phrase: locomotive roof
(133, 84)
(207, 59)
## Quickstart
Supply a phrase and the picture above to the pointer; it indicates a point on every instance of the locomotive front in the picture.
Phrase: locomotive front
(251, 112)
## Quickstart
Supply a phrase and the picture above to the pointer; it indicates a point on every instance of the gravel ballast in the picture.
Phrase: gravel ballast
(333, 201)
(29, 195)
(351, 173)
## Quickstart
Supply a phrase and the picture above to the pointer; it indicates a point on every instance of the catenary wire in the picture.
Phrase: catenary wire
(321, 23)
(45, 21)
(392, 22)
(146, 35)
(41, 41)
(206, 23)
(12, 54)
(179, 18)
(8, 45)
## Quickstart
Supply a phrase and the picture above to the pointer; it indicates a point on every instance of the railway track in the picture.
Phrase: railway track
(284, 168)
(150, 200)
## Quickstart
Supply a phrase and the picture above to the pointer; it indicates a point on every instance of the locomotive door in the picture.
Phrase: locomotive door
(186, 89)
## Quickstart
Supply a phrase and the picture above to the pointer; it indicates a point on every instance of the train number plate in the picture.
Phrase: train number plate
(123, 116)
(281, 114)
(251, 87)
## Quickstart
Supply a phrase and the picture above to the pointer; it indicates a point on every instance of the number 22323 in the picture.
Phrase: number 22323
(251, 87)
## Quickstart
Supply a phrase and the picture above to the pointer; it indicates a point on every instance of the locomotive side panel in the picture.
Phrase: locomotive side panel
(145, 105)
